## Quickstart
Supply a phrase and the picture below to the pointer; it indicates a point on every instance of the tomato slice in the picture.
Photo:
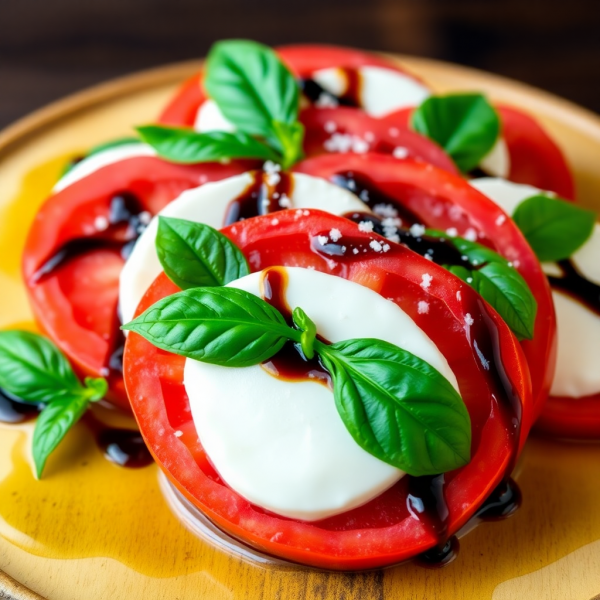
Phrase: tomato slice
(74, 255)
(302, 60)
(344, 129)
(535, 159)
(382, 531)
(435, 198)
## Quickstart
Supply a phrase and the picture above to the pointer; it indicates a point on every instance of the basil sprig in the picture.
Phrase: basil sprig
(554, 228)
(257, 93)
(396, 406)
(187, 146)
(496, 281)
(466, 126)
(34, 370)
(196, 255)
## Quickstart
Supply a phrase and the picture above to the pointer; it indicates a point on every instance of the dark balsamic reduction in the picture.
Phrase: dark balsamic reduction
(124, 227)
(124, 447)
(351, 96)
(289, 363)
(501, 503)
(574, 284)
(15, 410)
(363, 187)
(260, 198)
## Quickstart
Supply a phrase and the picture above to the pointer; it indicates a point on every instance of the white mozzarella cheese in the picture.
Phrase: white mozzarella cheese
(282, 445)
(577, 373)
(497, 161)
(208, 204)
(210, 118)
(578, 328)
(101, 159)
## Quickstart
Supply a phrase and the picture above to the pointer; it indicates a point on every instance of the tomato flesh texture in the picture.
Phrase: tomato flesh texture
(441, 200)
(76, 304)
(571, 418)
(535, 159)
(377, 134)
(382, 531)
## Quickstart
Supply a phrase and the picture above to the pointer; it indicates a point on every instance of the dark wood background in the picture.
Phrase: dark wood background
(49, 48)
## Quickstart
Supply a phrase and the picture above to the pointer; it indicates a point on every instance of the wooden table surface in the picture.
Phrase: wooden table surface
(92, 530)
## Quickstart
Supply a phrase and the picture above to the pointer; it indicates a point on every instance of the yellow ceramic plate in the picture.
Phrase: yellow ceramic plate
(93, 530)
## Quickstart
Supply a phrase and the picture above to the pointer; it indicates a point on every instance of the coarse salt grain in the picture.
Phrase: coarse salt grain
(375, 245)
(322, 239)
(400, 152)
(417, 230)
(335, 235)
(501, 219)
(423, 307)
(366, 226)
(469, 319)
(101, 223)
(426, 280)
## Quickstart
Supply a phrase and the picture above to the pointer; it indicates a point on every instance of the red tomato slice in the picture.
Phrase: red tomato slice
(330, 130)
(75, 303)
(382, 531)
(535, 159)
(440, 200)
(571, 418)
(302, 60)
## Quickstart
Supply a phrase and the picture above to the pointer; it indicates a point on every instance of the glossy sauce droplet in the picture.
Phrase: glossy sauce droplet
(14, 410)
(124, 447)
(289, 363)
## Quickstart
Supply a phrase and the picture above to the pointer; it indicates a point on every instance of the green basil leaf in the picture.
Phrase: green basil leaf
(477, 254)
(196, 255)
(504, 288)
(219, 325)
(96, 388)
(398, 407)
(466, 126)
(290, 137)
(554, 228)
(187, 146)
(33, 369)
(52, 425)
(253, 88)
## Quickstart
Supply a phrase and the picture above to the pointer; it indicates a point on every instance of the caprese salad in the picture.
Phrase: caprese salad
(317, 285)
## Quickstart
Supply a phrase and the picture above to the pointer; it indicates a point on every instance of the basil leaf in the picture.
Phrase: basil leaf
(504, 288)
(196, 255)
(554, 228)
(398, 407)
(222, 326)
(187, 146)
(253, 89)
(52, 425)
(33, 369)
(466, 126)
(290, 137)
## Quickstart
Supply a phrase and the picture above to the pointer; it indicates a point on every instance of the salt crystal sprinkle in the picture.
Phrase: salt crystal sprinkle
(426, 280)
(335, 235)
(452, 231)
(470, 234)
(501, 220)
(400, 152)
(100, 223)
(375, 245)
(469, 319)
(330, 127)
(178, 433)
(274, 221)
(423, 307)
(366, 226)
(322, 239)
(417, 230)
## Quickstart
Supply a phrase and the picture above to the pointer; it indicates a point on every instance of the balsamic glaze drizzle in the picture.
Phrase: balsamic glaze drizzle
(124, 224)
(266, 194)
(124, 447)
(14, 410)
(574, 284)
(317, 94)
(289, 363)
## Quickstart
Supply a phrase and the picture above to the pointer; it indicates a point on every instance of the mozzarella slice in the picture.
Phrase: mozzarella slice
(497, 161)
(101, 159)
(382, 91)
(210, 118)
(209, 204)
(282, 445)
(577, 372)
(578, 328)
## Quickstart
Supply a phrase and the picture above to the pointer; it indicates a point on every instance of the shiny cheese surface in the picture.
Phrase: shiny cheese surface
(281, 444)
(577, 373)
(209, 204)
